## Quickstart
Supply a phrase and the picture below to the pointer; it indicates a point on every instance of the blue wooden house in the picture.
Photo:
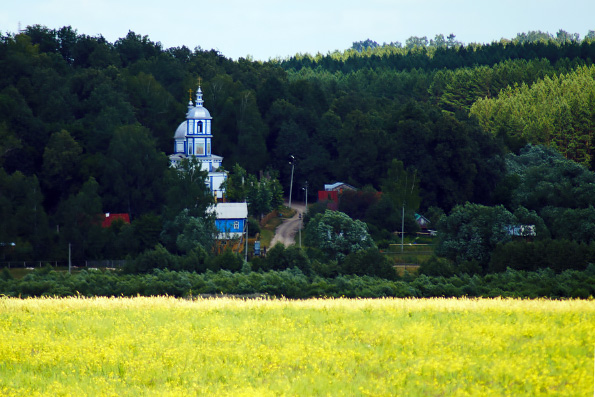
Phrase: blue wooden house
(231, 219)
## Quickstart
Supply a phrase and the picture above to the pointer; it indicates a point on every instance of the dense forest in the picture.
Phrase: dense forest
(492, 134)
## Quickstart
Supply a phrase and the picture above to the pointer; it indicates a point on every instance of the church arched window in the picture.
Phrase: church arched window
(199, 127)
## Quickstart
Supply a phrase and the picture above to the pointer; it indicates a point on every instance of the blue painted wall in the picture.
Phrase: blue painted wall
(227, 225)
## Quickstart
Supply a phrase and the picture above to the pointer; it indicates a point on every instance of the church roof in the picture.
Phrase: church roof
(181, 131)
(198, 112)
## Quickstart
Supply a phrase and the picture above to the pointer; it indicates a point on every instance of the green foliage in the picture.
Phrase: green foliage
(253, 227)
(369, 262)
(280, 258)
(98, 144)
(472, 231)
(196, 233)
(157, 258)
(262, 195)
(228, 260)
(23, 220)
(439, 267)
(134, 171)
(61, 165)
(235, 184)
(79, 218)
(186, 232)
(186, 190)
(337, 235)
(556, 111)
(558, 255)
(548, 179)
(294, 284)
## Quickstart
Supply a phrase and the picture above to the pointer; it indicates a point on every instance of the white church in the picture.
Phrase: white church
(193, 139)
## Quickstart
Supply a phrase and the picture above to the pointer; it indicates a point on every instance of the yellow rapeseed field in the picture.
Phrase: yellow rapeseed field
(332, 347)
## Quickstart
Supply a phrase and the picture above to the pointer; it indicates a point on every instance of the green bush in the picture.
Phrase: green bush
(158, 258)
(228, 260)
(369, 262)
(558, 255)
(436, 266)
(253, 227)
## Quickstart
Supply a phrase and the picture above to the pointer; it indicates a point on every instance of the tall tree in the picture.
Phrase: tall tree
(134, 172)
(79, 223)
(337, 235)
(61, 166)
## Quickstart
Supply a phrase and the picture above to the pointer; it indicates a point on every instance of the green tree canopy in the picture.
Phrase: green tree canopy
(337, 235)
(471, 231)
(557, 111)
(134, 172)
(185, 189)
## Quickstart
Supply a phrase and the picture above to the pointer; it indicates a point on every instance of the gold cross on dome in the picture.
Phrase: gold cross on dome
(199, 81)
(190, 94)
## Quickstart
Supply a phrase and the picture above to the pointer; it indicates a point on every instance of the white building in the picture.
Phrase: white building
(193, 139)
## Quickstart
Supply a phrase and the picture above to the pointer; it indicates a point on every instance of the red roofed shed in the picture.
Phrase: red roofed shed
(111, 218)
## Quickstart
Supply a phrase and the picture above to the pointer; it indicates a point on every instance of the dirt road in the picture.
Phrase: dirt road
(287, 231)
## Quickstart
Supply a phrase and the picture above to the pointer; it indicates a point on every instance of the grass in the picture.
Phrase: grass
(266, 236)
(166, 346)
(415, 251)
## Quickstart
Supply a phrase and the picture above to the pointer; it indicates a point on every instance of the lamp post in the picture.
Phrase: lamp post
(292, 162)
(306, 189)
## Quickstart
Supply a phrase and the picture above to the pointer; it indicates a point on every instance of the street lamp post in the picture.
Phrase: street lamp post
(306, 189)
(292, 162)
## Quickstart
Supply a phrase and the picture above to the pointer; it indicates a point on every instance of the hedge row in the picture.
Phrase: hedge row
(293, 283)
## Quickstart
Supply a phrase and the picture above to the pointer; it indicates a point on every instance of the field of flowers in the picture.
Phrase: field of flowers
(167, 346)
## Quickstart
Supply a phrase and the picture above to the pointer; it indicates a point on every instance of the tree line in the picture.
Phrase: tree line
(86, 126)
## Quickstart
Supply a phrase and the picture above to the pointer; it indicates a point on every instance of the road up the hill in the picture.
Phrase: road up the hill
(286, 231)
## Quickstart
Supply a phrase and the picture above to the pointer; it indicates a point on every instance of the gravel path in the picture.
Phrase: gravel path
(286, 231)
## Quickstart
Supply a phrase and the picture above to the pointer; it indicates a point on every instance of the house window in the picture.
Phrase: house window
(236, 225)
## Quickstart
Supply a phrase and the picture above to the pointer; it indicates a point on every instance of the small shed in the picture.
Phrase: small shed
(111, 218)
(231, 219)
(422, 221)
(338, 187)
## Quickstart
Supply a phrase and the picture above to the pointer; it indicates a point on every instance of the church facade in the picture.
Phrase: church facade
(193, 139)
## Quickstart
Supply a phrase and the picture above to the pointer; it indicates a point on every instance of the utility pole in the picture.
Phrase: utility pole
(246, 255)
(69, 258)
(292, 162)
(402, 226)
(306, 189)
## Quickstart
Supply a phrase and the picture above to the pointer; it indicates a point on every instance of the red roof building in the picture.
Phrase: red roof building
(111, 218)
